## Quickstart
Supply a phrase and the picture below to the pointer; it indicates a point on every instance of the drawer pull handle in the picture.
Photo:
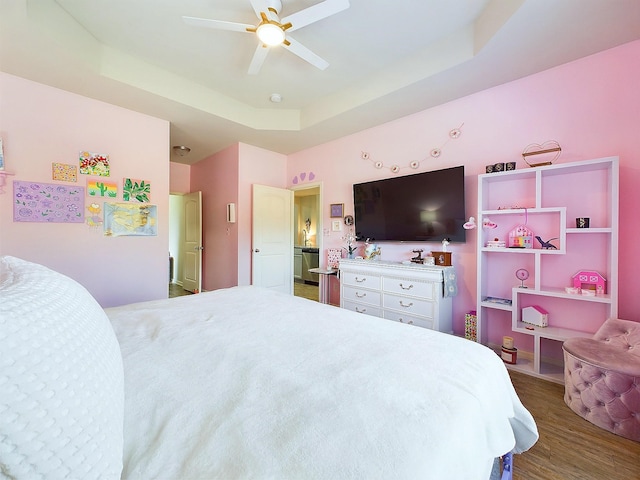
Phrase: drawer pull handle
(410, 322)
(360, 295)
(360, 280)
(402, 304)
(406, 288)
(361, 311)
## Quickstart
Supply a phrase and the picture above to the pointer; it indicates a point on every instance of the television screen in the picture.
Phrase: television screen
(425, 206)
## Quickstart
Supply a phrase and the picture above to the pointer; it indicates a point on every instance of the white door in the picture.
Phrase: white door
(272, 239)
(192, 244)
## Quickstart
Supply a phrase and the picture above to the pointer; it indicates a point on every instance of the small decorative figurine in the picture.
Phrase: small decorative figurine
(418, 258)
(546, 244)
(522, 274)
(590, 282)
(471, 224)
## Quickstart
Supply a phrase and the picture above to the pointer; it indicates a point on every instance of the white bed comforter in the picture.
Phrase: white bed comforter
(246, 383)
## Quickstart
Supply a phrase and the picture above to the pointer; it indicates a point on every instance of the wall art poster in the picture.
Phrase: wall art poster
(130, 219)
(136, 190)
(94, 164)
(97, 188)
(64, 172)
(45, 202)
(93, 218)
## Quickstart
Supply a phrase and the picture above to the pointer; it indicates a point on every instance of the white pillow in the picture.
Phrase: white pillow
(61, 378)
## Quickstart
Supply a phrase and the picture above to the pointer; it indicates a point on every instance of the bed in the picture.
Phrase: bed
(240, 383)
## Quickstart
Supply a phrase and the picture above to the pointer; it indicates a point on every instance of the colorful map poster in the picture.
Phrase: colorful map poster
(130, 219)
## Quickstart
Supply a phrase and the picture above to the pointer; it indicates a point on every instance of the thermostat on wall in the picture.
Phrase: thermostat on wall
(231, 212)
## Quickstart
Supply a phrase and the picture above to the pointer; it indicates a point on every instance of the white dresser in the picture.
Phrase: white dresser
(410, 294)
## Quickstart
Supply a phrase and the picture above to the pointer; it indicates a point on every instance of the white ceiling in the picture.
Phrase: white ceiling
(387, 59)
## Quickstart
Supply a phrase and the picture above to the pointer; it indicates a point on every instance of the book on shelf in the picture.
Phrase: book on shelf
(497, 300)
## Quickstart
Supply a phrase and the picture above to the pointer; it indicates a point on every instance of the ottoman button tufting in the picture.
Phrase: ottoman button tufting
(611, 354)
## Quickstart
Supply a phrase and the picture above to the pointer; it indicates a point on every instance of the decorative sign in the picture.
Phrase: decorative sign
(44, 202)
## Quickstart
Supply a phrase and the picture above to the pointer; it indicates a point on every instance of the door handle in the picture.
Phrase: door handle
(257, 250)
(198, 248)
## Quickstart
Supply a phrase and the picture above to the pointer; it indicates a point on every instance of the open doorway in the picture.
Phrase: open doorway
(307, 235)
(185, 243)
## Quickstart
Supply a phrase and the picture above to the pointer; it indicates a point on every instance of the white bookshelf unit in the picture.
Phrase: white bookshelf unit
(547, 200)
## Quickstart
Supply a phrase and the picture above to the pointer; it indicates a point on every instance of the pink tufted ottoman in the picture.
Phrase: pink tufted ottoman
(602, 377)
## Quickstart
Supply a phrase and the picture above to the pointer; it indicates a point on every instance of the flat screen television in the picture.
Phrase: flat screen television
(423, 207)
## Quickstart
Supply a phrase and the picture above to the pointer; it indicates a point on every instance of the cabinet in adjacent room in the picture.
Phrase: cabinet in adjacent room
(553, 203)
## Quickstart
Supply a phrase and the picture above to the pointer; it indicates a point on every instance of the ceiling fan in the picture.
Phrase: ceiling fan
(273, 31)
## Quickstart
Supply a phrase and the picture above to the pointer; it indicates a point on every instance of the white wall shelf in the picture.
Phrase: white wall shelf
(551, 212)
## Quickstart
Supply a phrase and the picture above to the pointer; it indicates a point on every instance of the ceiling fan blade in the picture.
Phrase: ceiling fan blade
(315, 13)
(217, 24)
(258, 59)
(304, 53)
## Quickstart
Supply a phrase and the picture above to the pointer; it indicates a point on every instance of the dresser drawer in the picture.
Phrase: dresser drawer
(414, 288)
(408, 305)
(362, 308)
(408, 319)
(366, 280)
(361, 295)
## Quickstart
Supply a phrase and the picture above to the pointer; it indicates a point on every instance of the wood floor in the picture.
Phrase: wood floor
(305, 290)
(569, 448)
(176, 290)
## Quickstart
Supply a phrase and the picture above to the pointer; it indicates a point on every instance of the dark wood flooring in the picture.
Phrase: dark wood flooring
(176, 290)
(569, 448)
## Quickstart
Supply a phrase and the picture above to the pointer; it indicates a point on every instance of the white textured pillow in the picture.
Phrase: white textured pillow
(61, 378)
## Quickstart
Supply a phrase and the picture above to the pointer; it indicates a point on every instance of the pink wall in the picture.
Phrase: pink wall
(179, 178)
(40, 125)
(257, 166)
(228, 177)
(217, 178)
(591, 107)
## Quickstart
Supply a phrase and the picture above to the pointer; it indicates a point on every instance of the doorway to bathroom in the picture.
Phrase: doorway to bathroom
(307, 235)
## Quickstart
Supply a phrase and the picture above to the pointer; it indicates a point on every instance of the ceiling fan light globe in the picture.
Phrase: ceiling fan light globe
(270, 34)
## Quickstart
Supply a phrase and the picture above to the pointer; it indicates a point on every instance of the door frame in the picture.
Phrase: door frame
(193, 247)
(320, 229)
(268, 249)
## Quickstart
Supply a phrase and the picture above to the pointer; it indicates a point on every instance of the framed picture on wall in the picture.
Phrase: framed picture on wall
(337, 210)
